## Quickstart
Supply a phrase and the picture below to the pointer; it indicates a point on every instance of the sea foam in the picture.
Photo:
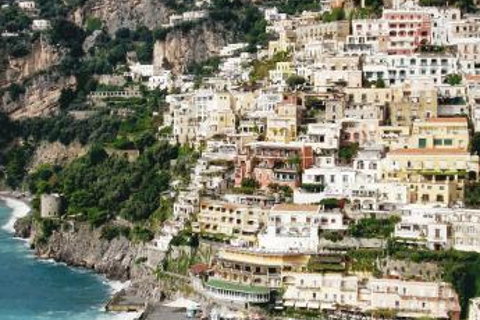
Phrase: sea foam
(19, 210)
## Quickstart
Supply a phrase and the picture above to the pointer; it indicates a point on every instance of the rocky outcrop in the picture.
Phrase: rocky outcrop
(56, 153)
(193, 45)
(39, 99)
(42, 57)
(116, 14)
(79, 245)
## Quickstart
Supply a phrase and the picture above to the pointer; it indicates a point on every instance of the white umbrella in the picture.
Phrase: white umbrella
(183, 303)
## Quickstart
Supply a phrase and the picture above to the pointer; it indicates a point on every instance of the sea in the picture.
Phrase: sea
(33, 289)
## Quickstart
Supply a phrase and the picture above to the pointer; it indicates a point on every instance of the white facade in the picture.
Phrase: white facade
(295, 227)
(322, 136)
(163, 81)
(40, 24)
(409, 299)
(399, 68)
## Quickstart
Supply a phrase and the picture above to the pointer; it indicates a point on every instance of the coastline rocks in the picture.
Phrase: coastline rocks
(78, 245)
(23, 228)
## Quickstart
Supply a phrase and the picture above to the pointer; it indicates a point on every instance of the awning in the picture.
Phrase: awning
(289, 303)
(301, 304)
(313, 305)
(236, 287)
(183, 303)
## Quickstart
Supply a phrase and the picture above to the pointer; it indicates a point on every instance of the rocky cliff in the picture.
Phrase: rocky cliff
(56, 153)
(183, 47)
(78, 245)
(40, 96)
(42, 57)
(116, 14)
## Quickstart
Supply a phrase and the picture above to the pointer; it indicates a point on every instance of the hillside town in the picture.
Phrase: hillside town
(346, 121)
(334, 170)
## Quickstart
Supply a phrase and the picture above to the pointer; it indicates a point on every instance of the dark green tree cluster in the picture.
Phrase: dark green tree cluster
(467, 6)
(461, 269)
(373, 228)
(16, 163)
(100, 128)
(335, 15)
(244, 20)
(295, 6)
(99, 187)
(13, 19)
(6, 130)
(52, 9)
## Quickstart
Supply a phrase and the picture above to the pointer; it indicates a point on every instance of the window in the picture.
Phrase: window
(422, 143)
(448, 142)
(437, 142)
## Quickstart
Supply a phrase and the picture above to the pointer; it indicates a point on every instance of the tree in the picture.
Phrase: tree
(295, 81)
(475, 144)
(347, 152)
(453, 79)
(250, 183)
(380, 83)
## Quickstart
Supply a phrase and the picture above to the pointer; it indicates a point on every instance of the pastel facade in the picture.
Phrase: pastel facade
(295, 227)
(407, 298)
(230, 219)
(447, 133)
(434, 175)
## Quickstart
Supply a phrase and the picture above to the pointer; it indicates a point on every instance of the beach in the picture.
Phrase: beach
(20, 207)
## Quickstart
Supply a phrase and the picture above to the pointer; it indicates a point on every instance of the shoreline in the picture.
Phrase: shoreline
(21, 207)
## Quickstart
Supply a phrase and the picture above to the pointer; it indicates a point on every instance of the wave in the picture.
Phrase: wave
(117, 286)
(120, 316)
(19, 210)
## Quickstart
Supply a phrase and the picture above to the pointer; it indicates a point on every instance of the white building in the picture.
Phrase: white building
(399, 68)
(322, 136)
(162, 81)
(293, 227)
(40, 24)
(410, 299)
(474, 309)
(142, 70)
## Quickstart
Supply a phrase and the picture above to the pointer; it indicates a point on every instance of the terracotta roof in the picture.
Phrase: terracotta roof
(428, 151)
(456, 119)
(473, 77)
(199, 268)
(295, 207)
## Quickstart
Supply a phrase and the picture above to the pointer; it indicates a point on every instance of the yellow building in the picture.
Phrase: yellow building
(259, 268)
(283, 126)
(433, 175)
(447, 133)
(221, 122)
(230, 219)
(282, 71)
(411, 103)
(376, 96)
(285, 43)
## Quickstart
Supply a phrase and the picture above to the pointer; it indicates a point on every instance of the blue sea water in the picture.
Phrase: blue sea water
(32, 289)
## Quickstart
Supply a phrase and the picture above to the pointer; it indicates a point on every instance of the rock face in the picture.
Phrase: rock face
(182, 48)
(42, 57)
(78, 245)
(56, 153)
(40, 97)
(116, 14)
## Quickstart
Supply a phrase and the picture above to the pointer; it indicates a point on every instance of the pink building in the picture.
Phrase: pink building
(407, 30)
(398, 31)
(269, 162)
